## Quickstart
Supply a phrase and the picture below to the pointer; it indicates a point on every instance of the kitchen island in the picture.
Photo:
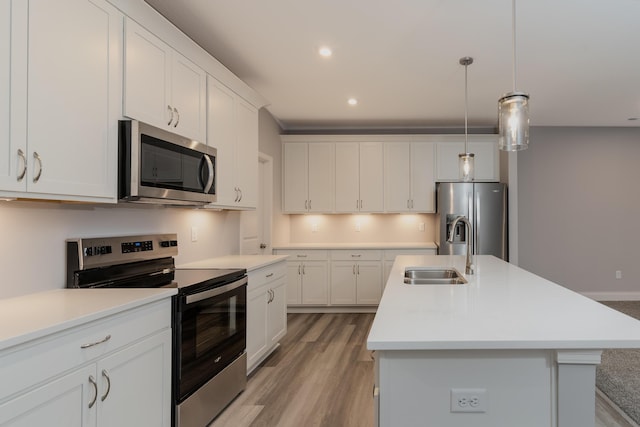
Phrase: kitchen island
(508, 348)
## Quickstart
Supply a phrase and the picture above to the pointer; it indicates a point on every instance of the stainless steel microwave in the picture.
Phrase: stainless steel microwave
(156, 166)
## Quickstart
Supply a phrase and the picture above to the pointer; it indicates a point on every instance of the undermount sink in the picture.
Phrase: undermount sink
(433, 276)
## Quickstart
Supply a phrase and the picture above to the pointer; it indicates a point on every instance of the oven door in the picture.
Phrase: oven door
(210, 334)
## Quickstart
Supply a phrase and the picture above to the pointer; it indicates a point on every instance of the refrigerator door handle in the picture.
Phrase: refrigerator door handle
(476, 243)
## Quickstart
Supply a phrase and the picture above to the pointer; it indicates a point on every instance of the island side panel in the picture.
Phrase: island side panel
(415, 387)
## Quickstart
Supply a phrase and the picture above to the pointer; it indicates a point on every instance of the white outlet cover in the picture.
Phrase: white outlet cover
(469, 400)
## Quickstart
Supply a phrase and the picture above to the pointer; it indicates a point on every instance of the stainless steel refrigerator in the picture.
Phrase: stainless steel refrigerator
(485, 206)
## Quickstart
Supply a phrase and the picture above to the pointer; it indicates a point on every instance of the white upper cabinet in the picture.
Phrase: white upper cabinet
(233, 130)
(63, 108)
(409, 184)
(486, 159)
(162, 87)
(8, 174)
(359, 177)
(308, 177)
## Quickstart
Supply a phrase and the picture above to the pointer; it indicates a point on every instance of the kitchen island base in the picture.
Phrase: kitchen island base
(508, 387)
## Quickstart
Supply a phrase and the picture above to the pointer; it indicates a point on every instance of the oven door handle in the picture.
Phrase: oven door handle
(216, 291)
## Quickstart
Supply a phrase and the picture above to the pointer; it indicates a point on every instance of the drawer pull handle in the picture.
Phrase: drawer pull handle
(356, 256)
(105, 374)
(301, 256)
(95, 389)
(92, 344)
(270, 274)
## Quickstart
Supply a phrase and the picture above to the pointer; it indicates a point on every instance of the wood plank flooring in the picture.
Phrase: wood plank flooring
(322, 375)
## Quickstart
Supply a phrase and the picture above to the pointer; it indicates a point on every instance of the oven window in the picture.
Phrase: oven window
(212, 334)
(215, 324)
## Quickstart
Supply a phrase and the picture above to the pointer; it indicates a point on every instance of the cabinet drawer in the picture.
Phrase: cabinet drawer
(356, 255)
(304, 255)
(31, 363)
(391, 254)
(266, 274)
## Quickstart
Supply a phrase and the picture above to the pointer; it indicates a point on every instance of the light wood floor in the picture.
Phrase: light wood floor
(322, 375)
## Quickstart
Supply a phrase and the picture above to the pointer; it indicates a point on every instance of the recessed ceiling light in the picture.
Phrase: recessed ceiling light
(325, 51)
(352, 101)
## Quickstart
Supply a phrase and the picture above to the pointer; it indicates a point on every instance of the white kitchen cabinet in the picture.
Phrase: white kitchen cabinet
(409, 177)
(486, 159)
(121, 376)
(359, 177)
(7, 167)
(356, 277)
(307, 277)
(232, 128)
(308, 179)
(63, 112)
(266, 311)
(162, 87)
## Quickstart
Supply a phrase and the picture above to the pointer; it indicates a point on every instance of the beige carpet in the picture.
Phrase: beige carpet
(618, 376)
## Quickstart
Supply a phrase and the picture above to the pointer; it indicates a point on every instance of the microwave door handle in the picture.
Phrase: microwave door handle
(209, 183)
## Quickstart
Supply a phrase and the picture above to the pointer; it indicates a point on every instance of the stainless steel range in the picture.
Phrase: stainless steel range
(209, 315)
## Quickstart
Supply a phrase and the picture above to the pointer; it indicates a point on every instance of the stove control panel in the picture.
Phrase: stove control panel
(92, 252)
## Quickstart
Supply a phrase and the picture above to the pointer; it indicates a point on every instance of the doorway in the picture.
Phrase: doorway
(255, 226)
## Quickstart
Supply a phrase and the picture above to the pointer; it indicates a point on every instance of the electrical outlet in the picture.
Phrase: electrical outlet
(618, 274)
(314, 228)
(358, 226)
(469, 400)
(194, 234)
(421, 226)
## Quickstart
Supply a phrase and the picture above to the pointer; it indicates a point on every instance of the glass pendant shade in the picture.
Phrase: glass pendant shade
(513, 121)
(466, 166)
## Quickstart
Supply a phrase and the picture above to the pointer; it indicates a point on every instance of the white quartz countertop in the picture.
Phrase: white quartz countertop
(502, 307)
(248, 262)
(378, 245)
(32, 316)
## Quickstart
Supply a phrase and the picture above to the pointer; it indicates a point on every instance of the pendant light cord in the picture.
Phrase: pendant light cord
(465, 109)
(513, 36)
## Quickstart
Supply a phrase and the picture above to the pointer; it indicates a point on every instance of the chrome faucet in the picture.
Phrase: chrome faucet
(469, 268)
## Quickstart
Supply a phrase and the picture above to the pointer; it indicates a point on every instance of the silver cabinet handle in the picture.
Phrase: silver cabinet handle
(301, 256)
(300, 269)
(23, 157)
(175, 125)
(170, 112)
(353, 269)
(357, 204)
(411, 203)
(93, 382)
(240, 190)
(36, 156)
(358, 269)
(304, 269)
(237, 194)
(92, 344)
(309, 204)
(360, 204)
(408, 207)
(212, 171)
(105, 374)
(269, 275)
(306, 205)
(356, 255)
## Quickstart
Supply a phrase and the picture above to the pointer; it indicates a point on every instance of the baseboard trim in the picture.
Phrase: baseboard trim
(320, 309)
(612, 296)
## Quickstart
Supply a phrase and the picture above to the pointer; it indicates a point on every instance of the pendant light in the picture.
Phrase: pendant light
(466, 159)
(513, 109)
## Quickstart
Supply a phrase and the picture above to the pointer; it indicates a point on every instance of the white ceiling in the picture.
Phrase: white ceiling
(578, 59)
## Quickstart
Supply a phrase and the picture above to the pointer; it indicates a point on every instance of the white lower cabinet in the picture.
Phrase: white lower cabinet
(356, 277)
(266, 312)
(307, 276)
(121, 377)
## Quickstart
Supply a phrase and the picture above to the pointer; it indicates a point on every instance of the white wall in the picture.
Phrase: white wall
(32, 252)
(373, 228)
(579, 204)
